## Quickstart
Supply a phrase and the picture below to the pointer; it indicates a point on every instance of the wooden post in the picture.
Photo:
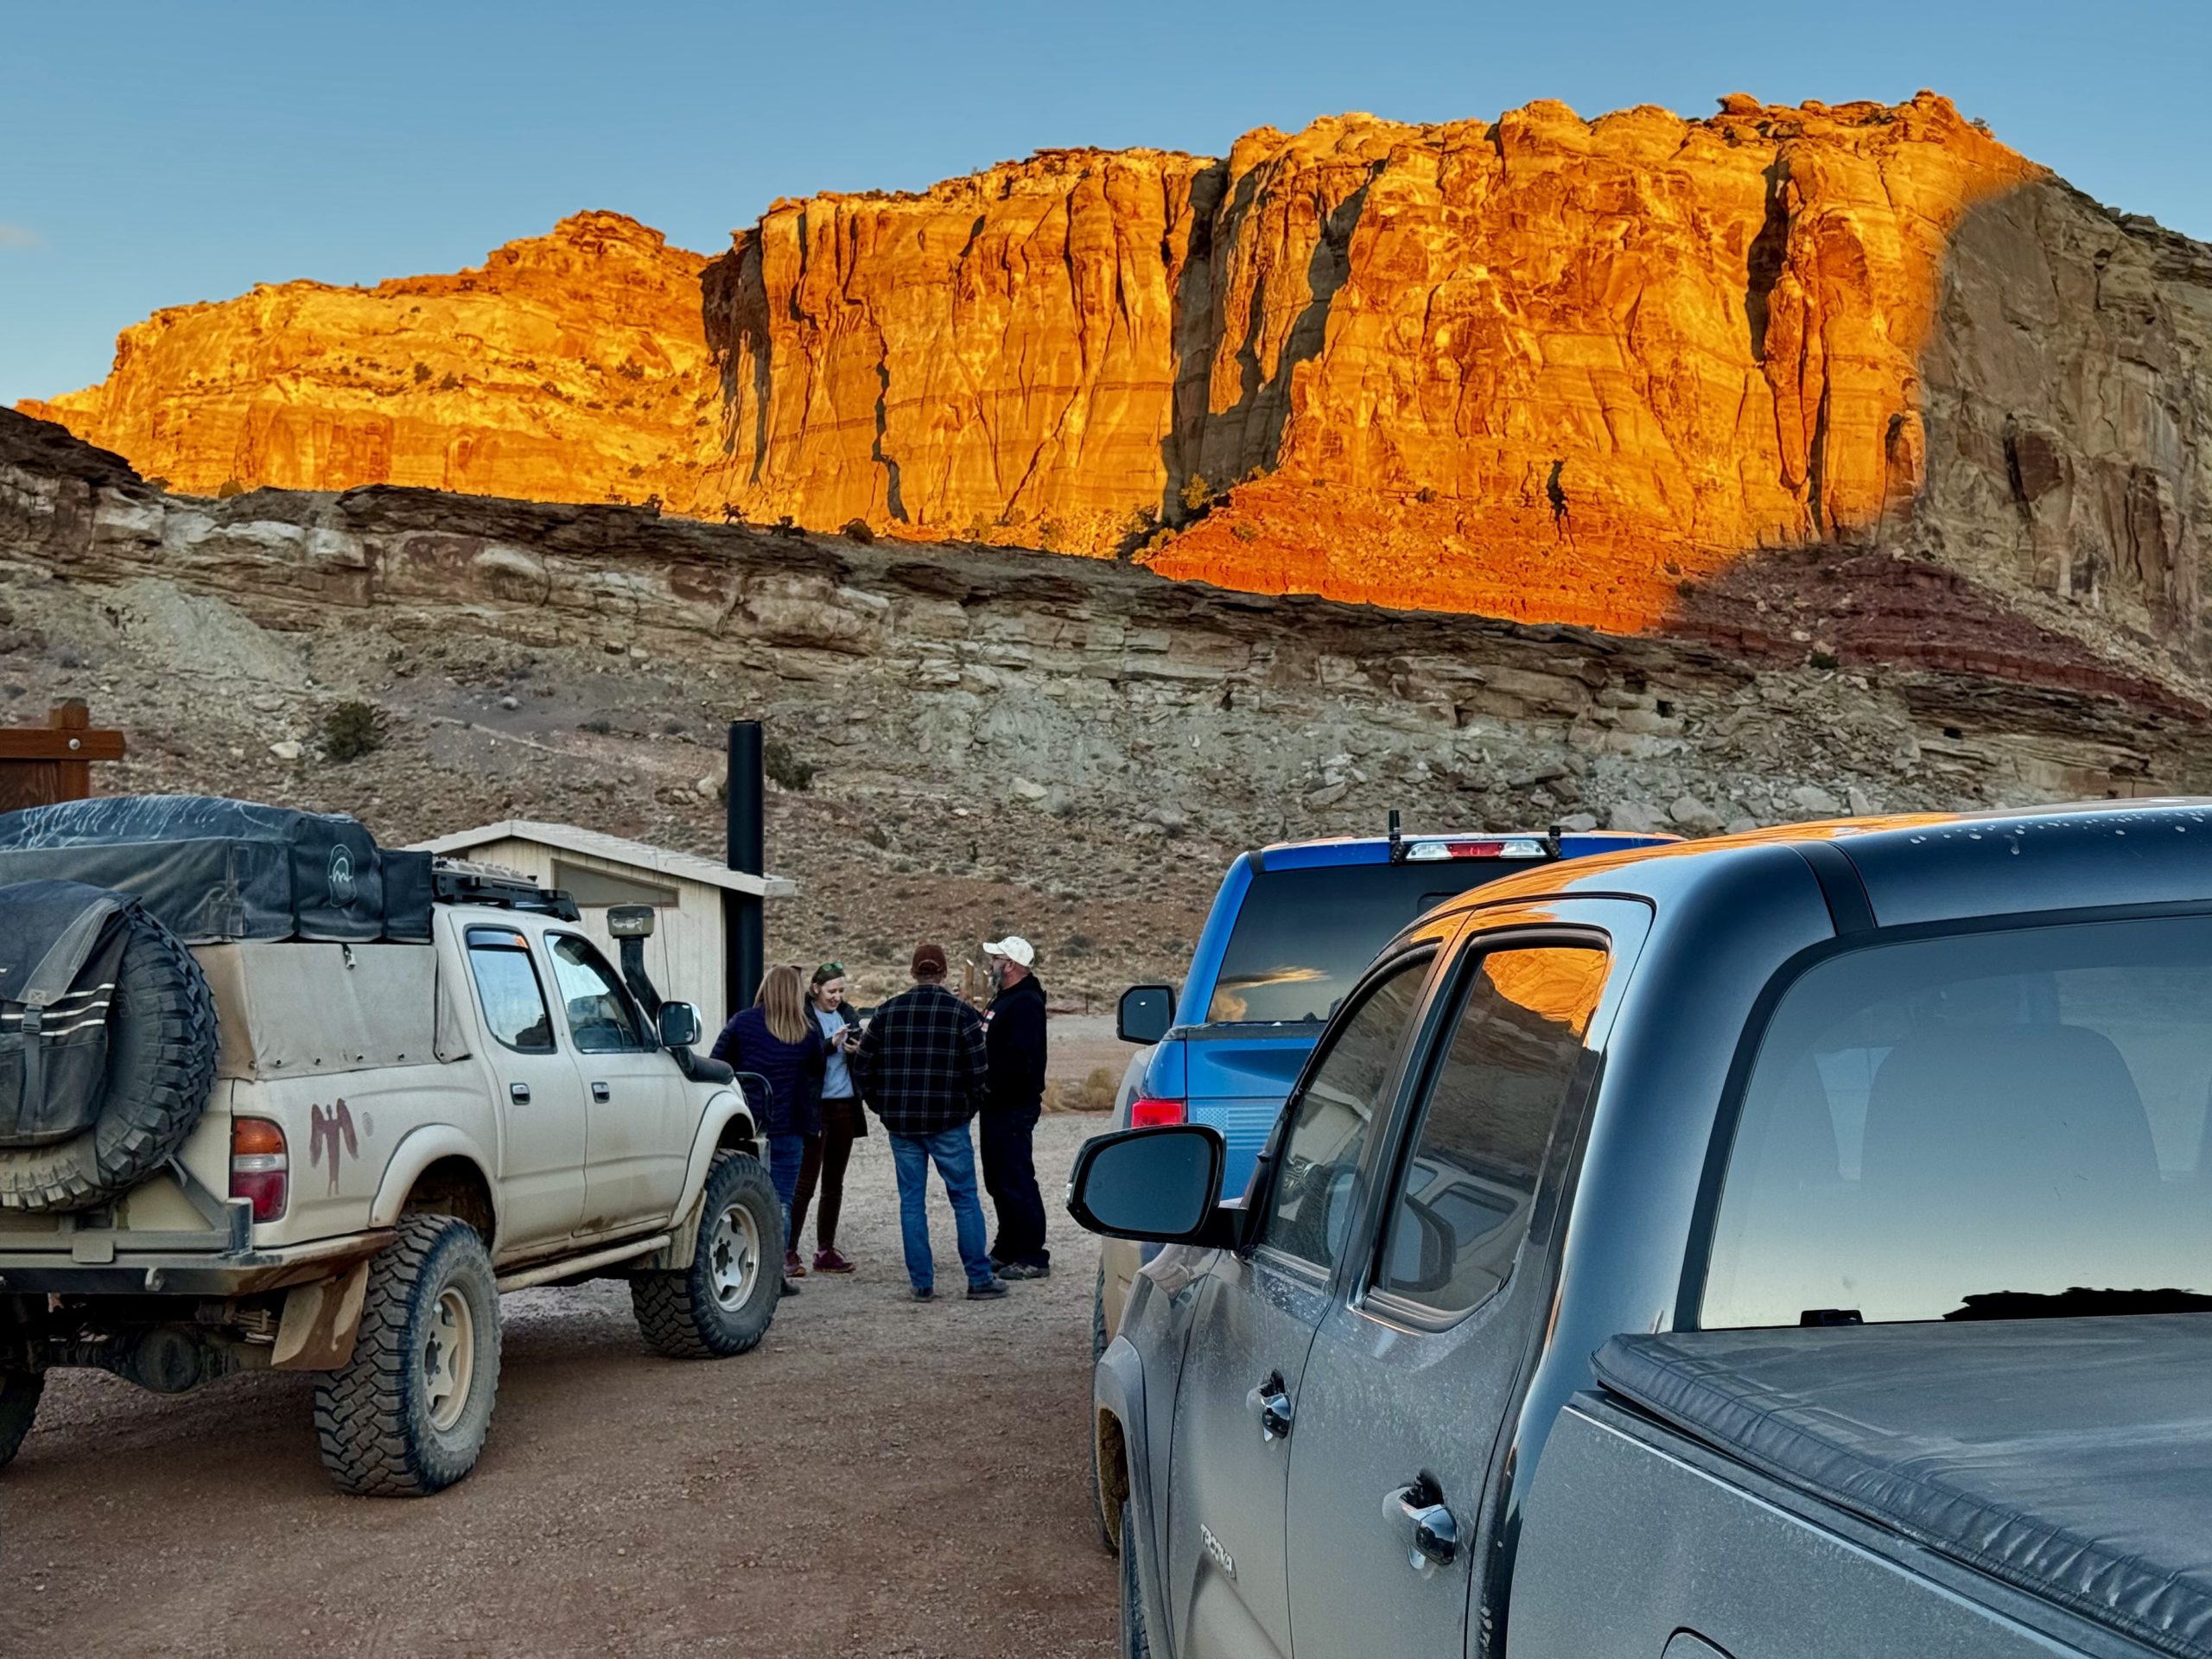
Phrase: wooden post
(41, 765)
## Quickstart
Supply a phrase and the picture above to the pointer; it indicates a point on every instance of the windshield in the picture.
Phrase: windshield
(1998, 1125)
(1303, 936)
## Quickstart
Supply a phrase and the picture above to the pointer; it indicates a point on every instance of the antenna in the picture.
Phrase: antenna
(1397, 843)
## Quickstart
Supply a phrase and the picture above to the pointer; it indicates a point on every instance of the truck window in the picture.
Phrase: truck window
(1309, 1206)
(508, 991)
(1469, 1183)
(1303, 937)
(601, 1017)
(1990, 1125)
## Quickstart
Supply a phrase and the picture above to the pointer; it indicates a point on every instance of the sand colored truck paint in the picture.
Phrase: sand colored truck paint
(397, 1132)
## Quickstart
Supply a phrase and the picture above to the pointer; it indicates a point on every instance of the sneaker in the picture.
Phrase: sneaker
(830, 1261)
(1025, 1270)
(790, 1289)
(793, 1267)
(924, 1294)
(988, 1288)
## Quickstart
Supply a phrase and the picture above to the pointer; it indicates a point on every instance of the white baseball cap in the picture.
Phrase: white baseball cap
(1014, 947)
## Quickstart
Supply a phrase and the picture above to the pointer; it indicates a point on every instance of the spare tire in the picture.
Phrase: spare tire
(161, 1066)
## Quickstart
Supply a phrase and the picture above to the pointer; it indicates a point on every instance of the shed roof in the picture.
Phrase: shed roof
(639, 854)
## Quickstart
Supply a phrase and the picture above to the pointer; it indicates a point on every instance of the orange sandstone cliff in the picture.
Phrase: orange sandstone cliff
(1541, 367)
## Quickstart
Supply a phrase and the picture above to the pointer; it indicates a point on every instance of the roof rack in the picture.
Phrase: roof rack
(455, 882)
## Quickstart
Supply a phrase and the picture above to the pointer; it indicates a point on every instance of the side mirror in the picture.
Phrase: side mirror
(1423, 1254)
(1160, 1185)
(1145, 1014)
(679, 1023)
(630, 921)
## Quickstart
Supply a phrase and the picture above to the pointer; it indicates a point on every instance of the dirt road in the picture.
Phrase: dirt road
(881, 1477)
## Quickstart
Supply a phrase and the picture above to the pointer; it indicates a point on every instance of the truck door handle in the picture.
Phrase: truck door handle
(1273, 1405)
(600, 1093)
(518, 1093)
(1420, 1507)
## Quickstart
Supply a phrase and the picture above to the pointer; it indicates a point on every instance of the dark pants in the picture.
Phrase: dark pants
(1010, 1177)
(827, 1155)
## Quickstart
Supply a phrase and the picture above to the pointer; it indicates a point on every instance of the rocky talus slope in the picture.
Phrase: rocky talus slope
(1542, 367)
(998, 738)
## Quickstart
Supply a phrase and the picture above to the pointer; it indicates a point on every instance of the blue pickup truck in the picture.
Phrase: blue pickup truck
(1292, 929)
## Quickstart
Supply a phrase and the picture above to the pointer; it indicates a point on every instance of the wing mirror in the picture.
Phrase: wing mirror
(679, 1025)
(1161, 1185)
(1145, 1014)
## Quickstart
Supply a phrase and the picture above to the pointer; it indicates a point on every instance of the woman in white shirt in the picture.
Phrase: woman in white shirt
(842, 1118)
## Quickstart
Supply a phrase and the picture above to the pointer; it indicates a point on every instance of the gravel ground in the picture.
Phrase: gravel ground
(880, 1477)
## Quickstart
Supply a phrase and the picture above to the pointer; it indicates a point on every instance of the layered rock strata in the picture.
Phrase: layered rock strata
(998, 678)
(1542, 368)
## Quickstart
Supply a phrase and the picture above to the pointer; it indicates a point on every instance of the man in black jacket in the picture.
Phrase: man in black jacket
(1014, 1095)
(920, 1067)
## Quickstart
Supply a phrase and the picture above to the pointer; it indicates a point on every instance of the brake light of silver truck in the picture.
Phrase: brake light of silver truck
(1150, 1111)
(261, 1166)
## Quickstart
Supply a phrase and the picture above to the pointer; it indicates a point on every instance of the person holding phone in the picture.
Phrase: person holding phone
(842, 1120)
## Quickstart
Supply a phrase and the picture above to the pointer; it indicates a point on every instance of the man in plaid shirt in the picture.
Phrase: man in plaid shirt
(920, 1067)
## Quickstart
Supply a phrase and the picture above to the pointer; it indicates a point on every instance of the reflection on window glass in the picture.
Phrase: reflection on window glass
(1991, 1126)
(1309, 1206)
(600, 1016)
(1463, 1199)
(1303, 937)
(507, 986)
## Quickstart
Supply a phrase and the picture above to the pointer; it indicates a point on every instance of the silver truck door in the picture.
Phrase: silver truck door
(1239, 1401)
(541, 1151)
(640, 1115)
(1408, 1381)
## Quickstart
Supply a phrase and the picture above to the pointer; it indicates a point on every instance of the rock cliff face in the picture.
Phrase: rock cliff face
(1541, 368)
(570, 367)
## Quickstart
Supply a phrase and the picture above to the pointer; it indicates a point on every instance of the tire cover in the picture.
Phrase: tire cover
(160, 1068)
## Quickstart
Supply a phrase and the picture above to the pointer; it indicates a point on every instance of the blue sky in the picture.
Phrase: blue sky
(162, 153)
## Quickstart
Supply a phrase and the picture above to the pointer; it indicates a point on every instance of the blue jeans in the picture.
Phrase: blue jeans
(786, 1153)
(955, 1155)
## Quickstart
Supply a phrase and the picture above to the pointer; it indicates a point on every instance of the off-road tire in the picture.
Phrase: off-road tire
(19, 1393)
(691, 1314)
(160, 1064)
(374, 1417)
(1135, 1644)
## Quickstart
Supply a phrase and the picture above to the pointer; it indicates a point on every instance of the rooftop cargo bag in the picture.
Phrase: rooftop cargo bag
(212, 870)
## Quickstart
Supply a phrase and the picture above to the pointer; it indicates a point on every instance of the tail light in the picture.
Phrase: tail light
(1149, 1112)
(261, 1166)
(1432, 852)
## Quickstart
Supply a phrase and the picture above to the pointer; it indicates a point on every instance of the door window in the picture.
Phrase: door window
(507, 990)
(1469, 1184)
(1309, 1206)
(601, 1017)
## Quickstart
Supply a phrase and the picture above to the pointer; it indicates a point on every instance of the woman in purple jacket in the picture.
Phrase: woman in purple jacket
(778, 1040)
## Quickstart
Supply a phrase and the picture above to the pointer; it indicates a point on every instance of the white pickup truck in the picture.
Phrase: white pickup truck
(393, 1134)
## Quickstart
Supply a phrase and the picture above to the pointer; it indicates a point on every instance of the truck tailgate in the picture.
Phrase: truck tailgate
(2071, 1458)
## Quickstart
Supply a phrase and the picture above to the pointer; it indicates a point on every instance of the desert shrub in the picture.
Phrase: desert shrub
(1198, 494)
(1094, 1094)
(1051, 535)
(448, 382)
(784, 769)
(1076, 945)
(876, 836)
(1244, 530)
(350, 730)
(227, 488)
(856, 529)
(421, 372)
(1822, 660)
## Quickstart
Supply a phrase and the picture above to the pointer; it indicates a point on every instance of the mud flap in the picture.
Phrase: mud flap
(320, 1321)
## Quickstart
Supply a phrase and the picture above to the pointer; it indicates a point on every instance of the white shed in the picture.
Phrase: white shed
(685, 955)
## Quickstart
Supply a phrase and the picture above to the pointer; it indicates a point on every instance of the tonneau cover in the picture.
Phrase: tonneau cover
(211, 870)
(2072, 1458)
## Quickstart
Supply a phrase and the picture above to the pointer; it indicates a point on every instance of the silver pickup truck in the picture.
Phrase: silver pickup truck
(1786, 1245)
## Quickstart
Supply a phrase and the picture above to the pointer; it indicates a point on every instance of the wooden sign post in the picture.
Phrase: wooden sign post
(41, 765)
